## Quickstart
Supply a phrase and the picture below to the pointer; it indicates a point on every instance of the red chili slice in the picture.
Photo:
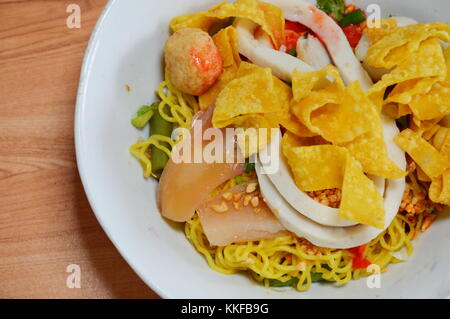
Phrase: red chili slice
(293, 31)
(358, 261)
(295, 26)
(353, 34)
(291, 39)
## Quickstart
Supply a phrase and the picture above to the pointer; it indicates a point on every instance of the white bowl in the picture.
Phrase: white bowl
(126, 48)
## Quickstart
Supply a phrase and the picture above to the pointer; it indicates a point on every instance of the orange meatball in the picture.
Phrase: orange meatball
(193, 60)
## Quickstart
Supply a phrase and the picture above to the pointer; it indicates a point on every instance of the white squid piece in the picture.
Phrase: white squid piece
(331, 34)
(333, 237)
(282, 64)
(310, 50)
(304, 204)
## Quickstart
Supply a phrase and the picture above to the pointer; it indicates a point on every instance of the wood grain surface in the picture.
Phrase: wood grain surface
(46, 222)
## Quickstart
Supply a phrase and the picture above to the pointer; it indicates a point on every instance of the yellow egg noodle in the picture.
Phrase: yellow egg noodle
(288, 257)
(181, 108)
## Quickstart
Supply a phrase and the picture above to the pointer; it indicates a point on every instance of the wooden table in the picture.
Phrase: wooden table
(46, 222)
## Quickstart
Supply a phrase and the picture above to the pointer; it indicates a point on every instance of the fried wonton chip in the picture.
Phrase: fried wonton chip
(254, 131)
(285, 116)
(432, 162)
(342, 116)
(426, 128)
(436, 102)
(441, 139)
(248, 101)
(226, 42)
(370, 150)
(247, 68)
(248, 93)
(316, 167)
(291, 140)
(396, 110)
(269, 17)
(415, 75)
(209, 97)
(421, 176)
(387, 26)
(397, 46)
(283, 93)
(321, 167)
(440, 187)
(361, 201)
(328, 109)
(404, 92)
(439, 191)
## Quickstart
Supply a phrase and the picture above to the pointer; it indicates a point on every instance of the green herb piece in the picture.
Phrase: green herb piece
(316, 276)
(249, 167)
(278, 283)
(240, 180)
(159, 159)
(334, 7)
(354, 17)
(292, 52)
(143, 115)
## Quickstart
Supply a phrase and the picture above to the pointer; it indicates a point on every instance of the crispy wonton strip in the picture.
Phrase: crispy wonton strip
(226, 42)
(269, 17)
(327, 166)
(343, 116)
(432, 162)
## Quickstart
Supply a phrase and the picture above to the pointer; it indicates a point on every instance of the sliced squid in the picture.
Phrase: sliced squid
(310, 50)
(300, 201)
(332, 36)
(322, 235)
(226, 220)
(364, 45)
(185, 186)
(257, 51)
(263, 38)
(303, 203)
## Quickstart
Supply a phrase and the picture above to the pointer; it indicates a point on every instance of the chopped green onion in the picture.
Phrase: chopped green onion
(240, 180)
(143, 115)
(249, 167)
(354, 17)
(316, 276)
(292, 52)
(334, 7)
(159, 159)
(279, 283)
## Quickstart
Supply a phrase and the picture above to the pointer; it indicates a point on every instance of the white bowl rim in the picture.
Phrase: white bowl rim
(79, 110)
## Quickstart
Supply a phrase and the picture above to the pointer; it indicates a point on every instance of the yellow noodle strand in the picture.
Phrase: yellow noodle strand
(175, 107)
(140, 149)
(288, 257)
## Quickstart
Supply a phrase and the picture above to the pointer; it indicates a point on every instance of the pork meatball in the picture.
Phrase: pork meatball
(193, 60)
